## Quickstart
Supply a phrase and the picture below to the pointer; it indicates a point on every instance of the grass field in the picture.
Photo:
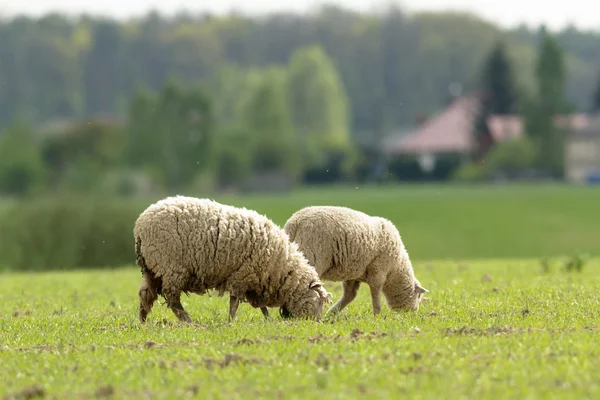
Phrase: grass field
(496, 325)
(491, 329)
(439, 222)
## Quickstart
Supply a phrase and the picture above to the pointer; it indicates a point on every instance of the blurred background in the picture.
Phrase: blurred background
(106, 106)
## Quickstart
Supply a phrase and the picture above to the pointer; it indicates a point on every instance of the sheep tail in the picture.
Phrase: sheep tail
(154, 283)
(139, 259)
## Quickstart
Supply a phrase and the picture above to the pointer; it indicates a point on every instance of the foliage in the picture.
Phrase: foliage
(551, 75)
(435, 222)
(266, 115)
(498, 82)
(174, 131)
(512, 156)
(548, 103)
(484, 319)
(233, 160)
(471, 172)
(497, 90)
(392, 65)
(596, 97)
(318, 104)
(78, 155)
(21, 167)
(67, 232)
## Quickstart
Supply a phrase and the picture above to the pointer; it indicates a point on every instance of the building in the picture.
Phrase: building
(582, 152)
(449, 133)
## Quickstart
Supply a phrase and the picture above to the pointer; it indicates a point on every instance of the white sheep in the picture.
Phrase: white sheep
(191, 245)
(350, 246)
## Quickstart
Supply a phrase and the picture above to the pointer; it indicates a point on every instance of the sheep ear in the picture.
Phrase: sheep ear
(315, 284)
(420, 289)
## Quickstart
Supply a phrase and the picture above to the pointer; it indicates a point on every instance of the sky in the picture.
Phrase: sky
(555, 14)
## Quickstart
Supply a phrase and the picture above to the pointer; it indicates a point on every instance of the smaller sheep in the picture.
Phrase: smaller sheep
(185, 244)
(350, 246)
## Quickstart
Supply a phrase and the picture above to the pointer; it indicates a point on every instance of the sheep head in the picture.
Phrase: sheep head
(308, 302)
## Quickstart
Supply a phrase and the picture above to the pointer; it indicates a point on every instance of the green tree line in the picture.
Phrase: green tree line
(393, 66)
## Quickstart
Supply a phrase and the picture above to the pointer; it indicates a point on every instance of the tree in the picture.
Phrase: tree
(319, 106)
(512, 156)
(548, 103)
(267, 119)
(550, 73)
(21, 167)
(143, 142)
(596, 97)
(174, 132)
(498, 92)
(185, 126)
(79, 155)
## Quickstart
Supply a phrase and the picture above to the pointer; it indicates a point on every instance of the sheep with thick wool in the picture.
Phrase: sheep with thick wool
(191, 245)
(350, 246)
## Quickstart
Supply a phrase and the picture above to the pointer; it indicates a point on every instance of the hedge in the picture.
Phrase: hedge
(68, 233)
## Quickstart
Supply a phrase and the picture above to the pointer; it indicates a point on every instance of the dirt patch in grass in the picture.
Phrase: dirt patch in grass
(508, 330)
(31, 392)
(356, 334)
(18, 313)
(229, 359)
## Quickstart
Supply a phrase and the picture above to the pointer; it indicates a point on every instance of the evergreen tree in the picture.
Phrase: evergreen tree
(596, 97)
(498, 93)
(548, 103)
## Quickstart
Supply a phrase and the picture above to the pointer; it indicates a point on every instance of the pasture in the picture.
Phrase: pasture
(500, 322)
(491, 329)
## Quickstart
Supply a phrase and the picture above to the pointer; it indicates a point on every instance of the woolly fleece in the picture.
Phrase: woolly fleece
(350, 246)
(185, 244)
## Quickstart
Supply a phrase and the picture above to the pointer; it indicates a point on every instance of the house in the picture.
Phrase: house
(449, 133)
(582, 152)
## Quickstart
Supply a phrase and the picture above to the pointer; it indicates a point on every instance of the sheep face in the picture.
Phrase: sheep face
(405, 300)
(307, 302)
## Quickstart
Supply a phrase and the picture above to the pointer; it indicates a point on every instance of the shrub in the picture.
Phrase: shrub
(68, 232)
(472, 172)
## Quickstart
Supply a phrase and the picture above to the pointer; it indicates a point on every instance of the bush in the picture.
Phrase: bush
(472, 172)
(512, 156)
(68, 232)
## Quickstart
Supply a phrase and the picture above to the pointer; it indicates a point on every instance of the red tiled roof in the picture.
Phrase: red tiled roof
(449, 131)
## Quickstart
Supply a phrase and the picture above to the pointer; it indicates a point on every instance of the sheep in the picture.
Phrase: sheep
(350, 246)
(190, 245)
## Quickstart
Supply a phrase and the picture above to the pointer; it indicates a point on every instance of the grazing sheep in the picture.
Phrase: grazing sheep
(350, 246)
(185, 244)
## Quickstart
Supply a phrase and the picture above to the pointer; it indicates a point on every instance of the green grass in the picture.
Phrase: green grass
(491, 329)
(439, 222)
(435, 221)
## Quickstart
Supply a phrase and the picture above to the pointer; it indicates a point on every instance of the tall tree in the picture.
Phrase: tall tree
(175, 130)
(319, 105)
(548, 103)
(267, 118)
(185, 127)
(498, 92)
(596, 97)
(21, 166)
(103, 70)
(550, 73)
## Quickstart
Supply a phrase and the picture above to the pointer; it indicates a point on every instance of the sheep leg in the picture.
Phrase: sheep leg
(148, 295)
(349, 294)
(174, 303)
(265, 311)
(376, 297)
(234, 302)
